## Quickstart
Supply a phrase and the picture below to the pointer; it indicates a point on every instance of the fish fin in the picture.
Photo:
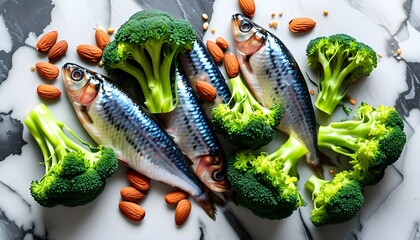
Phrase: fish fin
(85, 114)
(315, 165)
(230, 196)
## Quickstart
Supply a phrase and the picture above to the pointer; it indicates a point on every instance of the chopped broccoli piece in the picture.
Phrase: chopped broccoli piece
(74, 175)
(146, 46)
(246, 123)
(335, 201)
(341, 61)
(266, 184)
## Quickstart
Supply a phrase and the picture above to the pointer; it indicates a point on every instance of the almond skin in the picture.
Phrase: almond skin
(132, 211)
(215, 51)
(89, 52)
(301, 24)
(173, 198)
(138, 180)
(222, 43)
(205, 91)
(47, 70)
(46, 42)
(48, 92)
(102, 38)
(131, 194)
(231, 65)
(247, 7)
(58, 51)
(182, 211)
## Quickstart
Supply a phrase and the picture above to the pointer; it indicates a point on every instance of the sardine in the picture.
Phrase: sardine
(112, 119)
(190, 129)
(273, 75)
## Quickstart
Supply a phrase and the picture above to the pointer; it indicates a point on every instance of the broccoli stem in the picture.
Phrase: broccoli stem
(314, 185)
(289, 153)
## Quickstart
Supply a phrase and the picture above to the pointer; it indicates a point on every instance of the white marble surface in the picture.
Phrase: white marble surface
(391, 209)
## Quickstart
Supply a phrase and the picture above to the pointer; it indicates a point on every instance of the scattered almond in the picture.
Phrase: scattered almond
(32, 68)
(215, 51)
(182, 211)
(48, 92)
(47, 70)
(301, 24)
(46, 42)
(131, 194)
(213, 30)
(205, 91)
(110, 31)
(102, 38)
(325, 12)
(231, 65)
(132, 211)
(89, 52)
(247, 7)
(205, 26)
(312, 92)
(205, 17)
(58, 51)
(222, 43)
(138, 180)
(173, 198)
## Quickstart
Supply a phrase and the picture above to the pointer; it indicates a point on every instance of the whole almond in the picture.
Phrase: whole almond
(132, 211)
(231, 65)
(48, 92)
(222, 43)
(215, 51)
(247, 7)
(205, 91)
(174, 197)
(89, 52)
(58, 51)
(102, 38)
(46, 42)
(138, 180)
(47, 70)
(131, 194)
(301, 24)
(182, 211)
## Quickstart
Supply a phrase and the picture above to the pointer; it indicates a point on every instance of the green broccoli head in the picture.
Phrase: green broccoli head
(245, 122)
(146, 47)
(335, 201)
(74, 175)
(340, 60)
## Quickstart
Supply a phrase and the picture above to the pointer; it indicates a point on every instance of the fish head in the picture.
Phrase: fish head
(211, 171)
(249, 37)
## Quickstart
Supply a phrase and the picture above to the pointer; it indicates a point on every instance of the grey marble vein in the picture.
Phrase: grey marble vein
(11, 131)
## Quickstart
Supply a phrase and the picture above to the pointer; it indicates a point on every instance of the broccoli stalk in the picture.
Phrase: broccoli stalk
(146, 46)
(335, 201)
(341, 61)
(73, 175)
(266, 184)
(245, 122)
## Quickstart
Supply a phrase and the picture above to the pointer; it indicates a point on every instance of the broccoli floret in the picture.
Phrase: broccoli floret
(74, 175)
(266, 184)
(245, 122)
(341, 61)
(373, 141)
(335, 201)
(146, 46)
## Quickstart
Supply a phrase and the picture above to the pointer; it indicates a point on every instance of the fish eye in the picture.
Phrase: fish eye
(218, 175)
(77, 74)
(245, 26)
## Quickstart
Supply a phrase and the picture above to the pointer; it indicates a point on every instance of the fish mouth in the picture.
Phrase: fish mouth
(249, 37)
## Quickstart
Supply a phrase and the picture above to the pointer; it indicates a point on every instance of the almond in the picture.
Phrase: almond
(231, 65)
(102, 38)
(205, 91)
(215, 51)
(48, 92)
(132, 211)
(89, 52)
(301, 24)
(46, 42)
(247, 7)
(174, 197)
(138, 180)
(222, 43)
(47, 70)
(182, 211)
(58, 51)
(131, 194)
